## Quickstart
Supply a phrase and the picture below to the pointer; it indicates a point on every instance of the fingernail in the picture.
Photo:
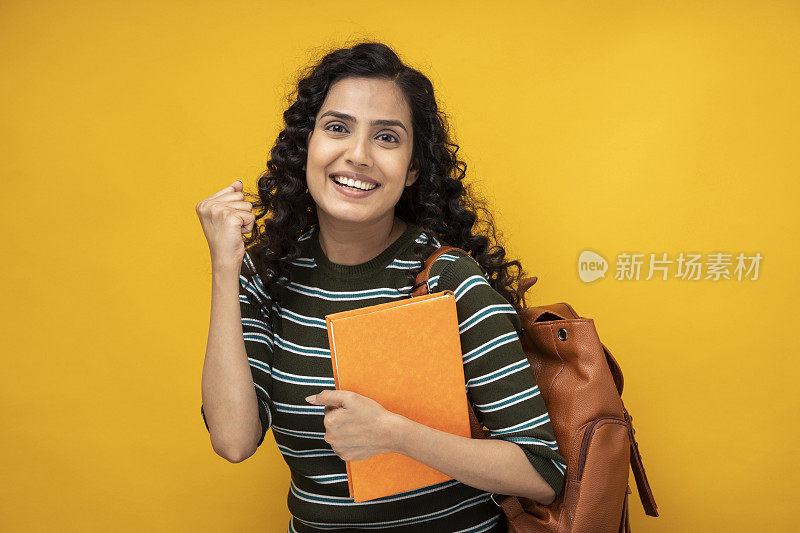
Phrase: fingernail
(311, 398)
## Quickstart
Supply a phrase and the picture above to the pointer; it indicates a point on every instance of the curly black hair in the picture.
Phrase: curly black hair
(439, 201)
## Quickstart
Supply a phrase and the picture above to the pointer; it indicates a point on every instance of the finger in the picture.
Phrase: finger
(240, 205)
(248, 222)
(230, 196)
(225, 213)
(331, 397)
(233, 187)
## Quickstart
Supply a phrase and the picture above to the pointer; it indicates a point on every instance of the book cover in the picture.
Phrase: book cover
(405, 355)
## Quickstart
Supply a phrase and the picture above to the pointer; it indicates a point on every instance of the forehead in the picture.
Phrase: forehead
(367, 99)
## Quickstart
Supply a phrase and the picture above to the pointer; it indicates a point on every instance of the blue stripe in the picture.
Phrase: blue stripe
(260, 338)
(523, 426)
(301, 434)
(303, 320)
(348, 295)
(261, 365)
(302, 380)
(250, 289)
(423, 239)
(309, 351)
(407, 265)
(308, 409)
(259, 286)
(486, 312)
(561, 467)
(348, 502)
(453, 509)
(486, 525)
(488, 346)
(308, 233)
(269, 412)
(320, 452)
(498, 374)
(326, 479)
(467, 284)
(536, 442)
(511, 400)
(255, 323)
(305, 262)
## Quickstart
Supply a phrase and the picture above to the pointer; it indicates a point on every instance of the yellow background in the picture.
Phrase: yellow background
(613, 126)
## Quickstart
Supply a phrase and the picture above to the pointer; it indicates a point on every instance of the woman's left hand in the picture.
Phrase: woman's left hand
(356, 427)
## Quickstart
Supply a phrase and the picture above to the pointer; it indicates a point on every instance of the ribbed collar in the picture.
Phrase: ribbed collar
(372, 266)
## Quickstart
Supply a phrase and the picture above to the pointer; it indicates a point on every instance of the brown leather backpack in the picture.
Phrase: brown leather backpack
(581, 384)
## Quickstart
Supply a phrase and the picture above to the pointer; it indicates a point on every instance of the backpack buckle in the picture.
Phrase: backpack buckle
(491, 497)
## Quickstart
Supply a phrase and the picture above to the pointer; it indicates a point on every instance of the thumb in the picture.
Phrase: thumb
(328, 397)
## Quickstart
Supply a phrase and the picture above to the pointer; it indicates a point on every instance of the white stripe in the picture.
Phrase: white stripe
(469, 283)
(486, 525)
(369, 294)
(493, 310)
(483, 349)
(537, 421)
(500, 404)
(498, 374)
(346, 501)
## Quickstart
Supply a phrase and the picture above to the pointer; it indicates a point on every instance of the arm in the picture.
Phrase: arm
(488, 464)
(501, 385)
(230, 405)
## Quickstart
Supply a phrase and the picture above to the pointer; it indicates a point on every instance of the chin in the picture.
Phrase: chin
(352, 216)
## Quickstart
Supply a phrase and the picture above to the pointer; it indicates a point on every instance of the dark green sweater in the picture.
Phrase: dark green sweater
(290, 359)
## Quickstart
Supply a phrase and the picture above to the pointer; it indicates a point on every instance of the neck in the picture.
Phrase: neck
(348, 243)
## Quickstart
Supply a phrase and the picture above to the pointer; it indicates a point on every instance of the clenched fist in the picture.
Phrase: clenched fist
(225, 217)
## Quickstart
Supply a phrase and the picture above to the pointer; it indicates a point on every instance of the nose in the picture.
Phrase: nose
(358, 151)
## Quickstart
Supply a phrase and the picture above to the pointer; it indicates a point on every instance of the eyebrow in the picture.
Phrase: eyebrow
(350, 118)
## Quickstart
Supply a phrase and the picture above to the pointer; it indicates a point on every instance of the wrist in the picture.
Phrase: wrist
(398, 428)
(225, 271)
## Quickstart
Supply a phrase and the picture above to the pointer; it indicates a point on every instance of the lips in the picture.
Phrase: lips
(353, 175)
(352, 192)
(332, 177)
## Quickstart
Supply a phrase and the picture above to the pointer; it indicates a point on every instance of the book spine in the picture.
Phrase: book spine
(332, 345)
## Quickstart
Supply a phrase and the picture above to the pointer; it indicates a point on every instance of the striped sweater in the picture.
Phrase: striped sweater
(290, 359)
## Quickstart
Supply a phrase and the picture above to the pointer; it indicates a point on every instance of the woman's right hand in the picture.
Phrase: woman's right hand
(225, 217)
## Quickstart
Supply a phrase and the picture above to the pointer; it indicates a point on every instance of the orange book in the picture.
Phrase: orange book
(405, 355)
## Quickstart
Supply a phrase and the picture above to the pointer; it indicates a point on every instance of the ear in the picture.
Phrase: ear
(412, 174)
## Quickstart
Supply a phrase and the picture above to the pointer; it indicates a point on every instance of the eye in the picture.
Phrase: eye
(389, 135)
(334, 124)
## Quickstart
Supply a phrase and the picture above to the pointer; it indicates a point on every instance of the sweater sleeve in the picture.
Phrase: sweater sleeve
(501, 386)
(258, 341)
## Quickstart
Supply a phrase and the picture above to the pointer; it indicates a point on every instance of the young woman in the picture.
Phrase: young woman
(362, 185)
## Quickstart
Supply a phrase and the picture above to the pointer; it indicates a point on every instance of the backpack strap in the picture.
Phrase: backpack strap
(421, 286)
(645, 494)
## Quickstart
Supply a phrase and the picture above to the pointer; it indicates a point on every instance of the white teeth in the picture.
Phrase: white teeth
(354, 183)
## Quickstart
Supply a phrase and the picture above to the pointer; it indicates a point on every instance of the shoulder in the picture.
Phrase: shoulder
(458, 272)
(452, 269)
(250, 285)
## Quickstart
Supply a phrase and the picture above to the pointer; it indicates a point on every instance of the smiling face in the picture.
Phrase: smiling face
(364, 128)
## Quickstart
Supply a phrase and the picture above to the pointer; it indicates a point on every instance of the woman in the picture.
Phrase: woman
(362, 185)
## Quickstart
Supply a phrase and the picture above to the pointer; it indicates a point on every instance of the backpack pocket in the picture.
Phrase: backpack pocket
(601, 477)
